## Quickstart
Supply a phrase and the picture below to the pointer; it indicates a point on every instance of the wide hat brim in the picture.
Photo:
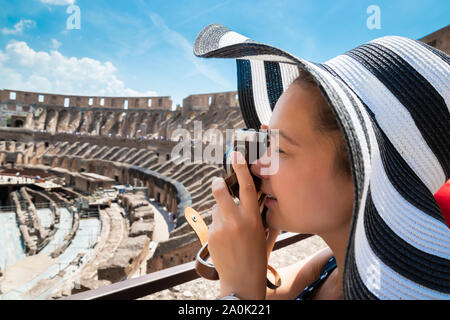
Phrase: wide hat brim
(391, 97)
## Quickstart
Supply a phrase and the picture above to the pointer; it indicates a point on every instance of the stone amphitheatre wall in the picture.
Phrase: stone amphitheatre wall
(125, 147)
(38, 98)
(46, 144)
(115, 124)
(102, 115)
(439, 39)
(208, 101)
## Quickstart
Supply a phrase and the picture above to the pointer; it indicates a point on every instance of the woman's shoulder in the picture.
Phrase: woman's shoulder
(315, 264)
(298, 276)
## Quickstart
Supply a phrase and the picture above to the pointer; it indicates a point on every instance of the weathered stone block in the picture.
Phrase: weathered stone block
(128, 256)
(89, 284)
(146, 213)
(139, 228)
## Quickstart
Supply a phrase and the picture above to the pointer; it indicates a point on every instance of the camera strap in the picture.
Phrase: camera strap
(205, 268)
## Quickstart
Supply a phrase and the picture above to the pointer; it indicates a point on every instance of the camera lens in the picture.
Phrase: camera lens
(252, 144)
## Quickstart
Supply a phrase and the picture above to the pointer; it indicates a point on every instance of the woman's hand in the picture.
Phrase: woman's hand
(236, 239)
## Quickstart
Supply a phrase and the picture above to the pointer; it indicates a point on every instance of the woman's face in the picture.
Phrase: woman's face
(311, 195)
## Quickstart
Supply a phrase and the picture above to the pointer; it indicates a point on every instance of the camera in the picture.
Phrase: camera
(252, 144)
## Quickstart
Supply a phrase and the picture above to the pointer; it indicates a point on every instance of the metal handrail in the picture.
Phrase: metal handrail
(38, 205)
(160, 280)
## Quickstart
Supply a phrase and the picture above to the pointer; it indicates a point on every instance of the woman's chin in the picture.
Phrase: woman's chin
(274, 221)
(271, 219)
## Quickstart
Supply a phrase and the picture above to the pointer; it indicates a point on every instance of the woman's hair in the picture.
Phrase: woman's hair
(327, 123)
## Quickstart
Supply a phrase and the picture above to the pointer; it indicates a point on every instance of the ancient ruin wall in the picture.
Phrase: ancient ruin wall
(201, 102)
(49, 99)
(439, 39)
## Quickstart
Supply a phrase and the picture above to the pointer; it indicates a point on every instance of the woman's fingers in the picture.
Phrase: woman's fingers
(247, 191)
(223, 197)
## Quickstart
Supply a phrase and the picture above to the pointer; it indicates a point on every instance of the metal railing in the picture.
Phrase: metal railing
(38, 205)
(160, 280)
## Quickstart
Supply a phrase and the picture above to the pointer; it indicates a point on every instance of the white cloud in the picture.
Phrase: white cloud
(19, 27)
(58, 2)
(55, 44)
(26, 69)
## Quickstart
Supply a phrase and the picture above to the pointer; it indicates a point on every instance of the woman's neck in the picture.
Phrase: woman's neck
(337, 242)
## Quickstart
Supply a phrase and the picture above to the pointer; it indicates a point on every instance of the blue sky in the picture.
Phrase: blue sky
(142, 47)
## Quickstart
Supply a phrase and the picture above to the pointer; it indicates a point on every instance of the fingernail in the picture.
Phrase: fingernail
(238, 158)
(217, 181)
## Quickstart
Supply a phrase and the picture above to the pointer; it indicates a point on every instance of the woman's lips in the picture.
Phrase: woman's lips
(271, 202)
(271, 197)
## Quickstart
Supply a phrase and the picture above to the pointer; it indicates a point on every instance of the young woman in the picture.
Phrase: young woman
(363, 147)
(313, 166)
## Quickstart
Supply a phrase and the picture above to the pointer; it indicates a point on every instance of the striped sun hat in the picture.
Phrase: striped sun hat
(391, 96)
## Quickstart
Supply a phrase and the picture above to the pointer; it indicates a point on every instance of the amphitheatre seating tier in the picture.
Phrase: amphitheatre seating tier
(126, 147)
(109, 122)
(191, 177)
(138, 207)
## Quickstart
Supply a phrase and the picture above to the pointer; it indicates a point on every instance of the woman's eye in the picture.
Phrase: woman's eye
(278, 150)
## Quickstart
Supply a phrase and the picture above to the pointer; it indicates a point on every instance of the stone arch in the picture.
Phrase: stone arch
(50, 120)
(170, 131)
(155, 121)
(95, 124)
(75, 164)
(107, 123)
(133, 120)
(192, 115)
(92, 167)
(63, 119)
(18, 123)
(65, 163)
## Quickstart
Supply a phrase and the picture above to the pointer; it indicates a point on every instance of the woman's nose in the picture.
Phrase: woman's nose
(262, 162)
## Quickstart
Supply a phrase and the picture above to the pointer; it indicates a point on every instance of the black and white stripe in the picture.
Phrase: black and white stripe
(274, 83)
(391, 115)
(414, 92)
(259, 98)
(245, 89)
